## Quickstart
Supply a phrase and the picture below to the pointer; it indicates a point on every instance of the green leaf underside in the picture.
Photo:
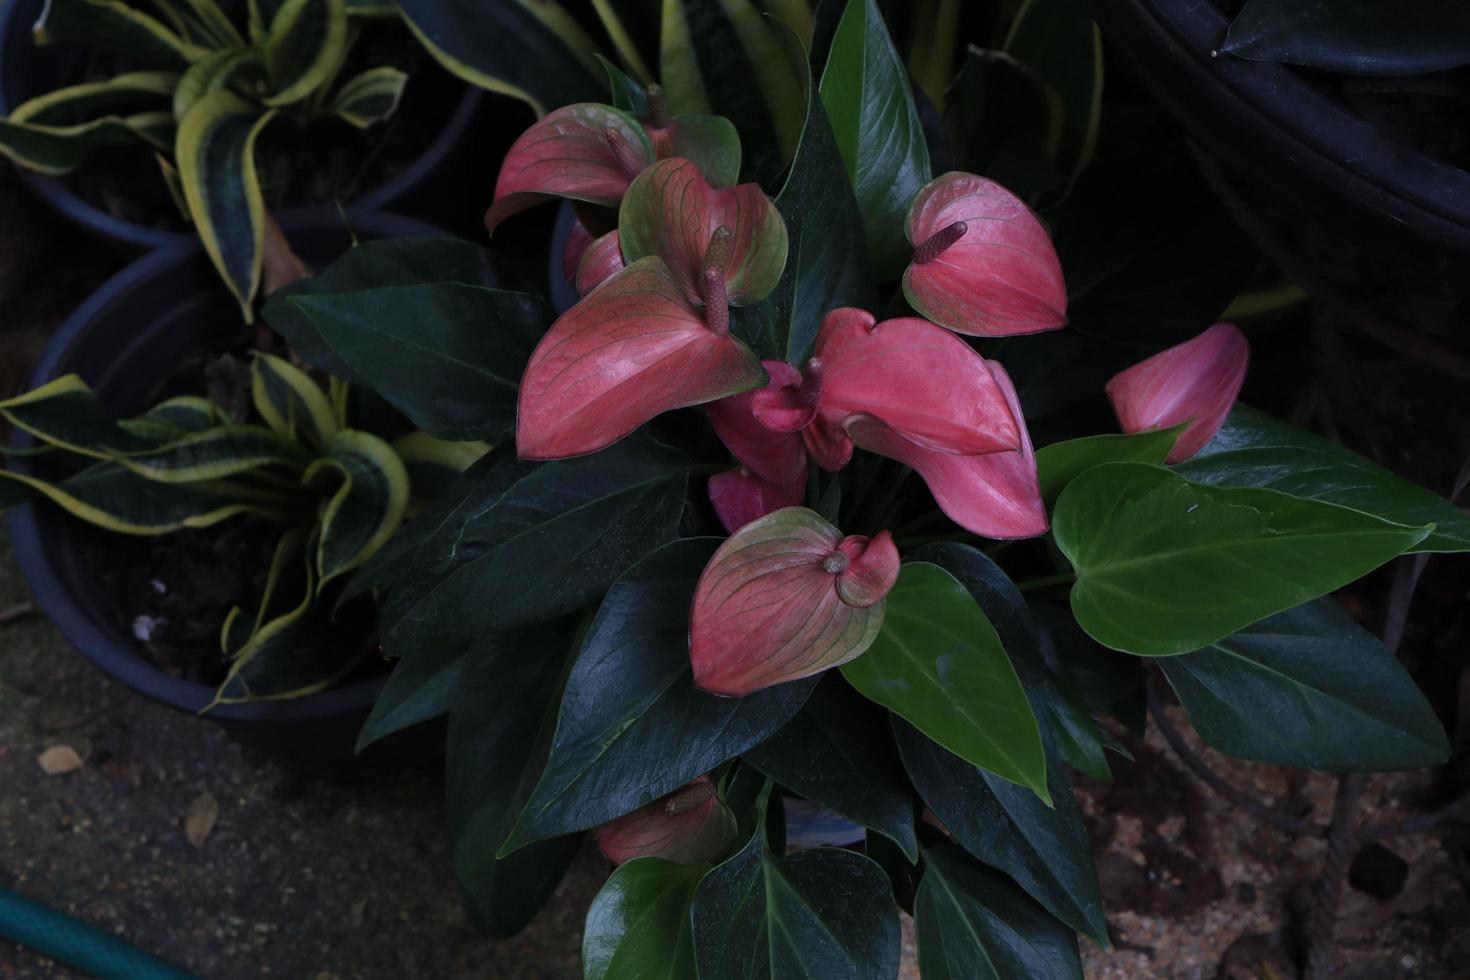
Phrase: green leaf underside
(938, 663)
(1165, 566)
(1309, 688)
(632, 726)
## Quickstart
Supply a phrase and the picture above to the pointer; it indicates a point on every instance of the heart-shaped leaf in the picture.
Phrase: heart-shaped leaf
(1308, 688)
(786, 597)
(939, 664)
(983, 264)
(638, 926)
(1192, 384)
(633, 727)
(671, 211)
(1061, 462)
(1252, 449)
(1165, 566)
(632, 349)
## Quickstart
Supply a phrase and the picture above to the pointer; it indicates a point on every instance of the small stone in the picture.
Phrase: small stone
(58, 760)
(200, 818)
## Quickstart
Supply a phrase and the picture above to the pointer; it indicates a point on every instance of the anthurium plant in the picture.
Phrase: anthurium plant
(335, 493)
(199, 90)
(803, 499)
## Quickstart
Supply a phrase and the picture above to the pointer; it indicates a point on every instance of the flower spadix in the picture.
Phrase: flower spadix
(632, 349)
(983, 264)
(690, 824)
(1195, 382)
(785, 597)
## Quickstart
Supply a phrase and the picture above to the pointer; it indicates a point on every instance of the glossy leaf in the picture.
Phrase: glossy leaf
(1309, 688)
(631, 350)
(632, 726)
(838, 753)
(827, 265)
(1044, 849)
(304, 46)
(1355, 37)
(786, 597)
(974, 924)
(290, 402)
(373, 265)
(1165, 566)
(982, 263)
(638, 927)
(672, 212)
(711, 142)
(499, 726)
(535, 52)
(367, 505)
(448, 355)
(370, 96)
(215, 154)
(1252, 449)
(585, 152)
(421, 687)
(1193, 384)
(1061, 462)
(939, 664)
(812, 915)
(865, 90)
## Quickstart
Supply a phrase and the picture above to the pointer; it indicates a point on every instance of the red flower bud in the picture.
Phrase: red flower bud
(1195, 382)
(690, 824)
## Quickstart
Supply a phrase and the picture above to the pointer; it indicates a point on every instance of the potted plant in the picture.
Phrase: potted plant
(195, 503)
(773, 524)
(294, 105)
(1330, 126)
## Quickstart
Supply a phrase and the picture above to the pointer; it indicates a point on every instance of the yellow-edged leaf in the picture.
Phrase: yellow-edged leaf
(216, 453)
(115, 26)
(370, 96)
(367, 506)
(290, 402)
(304, 45)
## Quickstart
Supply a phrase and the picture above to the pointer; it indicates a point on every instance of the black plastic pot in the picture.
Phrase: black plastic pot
(432, 189)
(1370, 221)
(123, 340)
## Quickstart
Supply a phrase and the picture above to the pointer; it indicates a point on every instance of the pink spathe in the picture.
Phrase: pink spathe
(689, 824)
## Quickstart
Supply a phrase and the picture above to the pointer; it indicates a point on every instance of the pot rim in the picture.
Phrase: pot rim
(59, 197)
(119, 661)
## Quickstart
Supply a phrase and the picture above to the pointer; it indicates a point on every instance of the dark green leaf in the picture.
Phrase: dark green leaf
(421, 687)
(1308, 688)
(1166, 566)
(974, 924)
(813, 915)
(534, 52)
(116, 27)
(1355, 37)
(1058, 40)
(638, 927)
(939, 663)
(838, 753)
(624, 93)
(304, 47)
(827, 262)
(448, 355)
(1253, 449)
(865, 90)
(1061, 462)
(632, 725)
(372, 265)
(499, 729)
(1004, 117)
(1109, 682)
(67, 413)
(1045, 849)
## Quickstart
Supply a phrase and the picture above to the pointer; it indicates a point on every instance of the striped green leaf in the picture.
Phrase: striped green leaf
(434, 464)
(367, 505)
(216, 453)
(532, 50)
(131, 91)
(290, 402)
(370, 96)
(215, 154)
(110, 497)
(218, 70)
(55, 150)
(276, 599)
(185, 414)
(304, 46)
(66, 413)
(115, 26)
(372, 8)
(200, 22)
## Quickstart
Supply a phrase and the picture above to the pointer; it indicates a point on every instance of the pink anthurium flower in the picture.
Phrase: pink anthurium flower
(600, 261)
(586, 152)
(983, 264)
(1195, 382)
(995, 495)
(577, 243)
(690, 824)
(736, 232)
(712, 142)
(785, 597)
(632, 349)
(773, 470)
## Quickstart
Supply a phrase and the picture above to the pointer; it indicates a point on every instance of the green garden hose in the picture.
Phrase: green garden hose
(79, 945)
